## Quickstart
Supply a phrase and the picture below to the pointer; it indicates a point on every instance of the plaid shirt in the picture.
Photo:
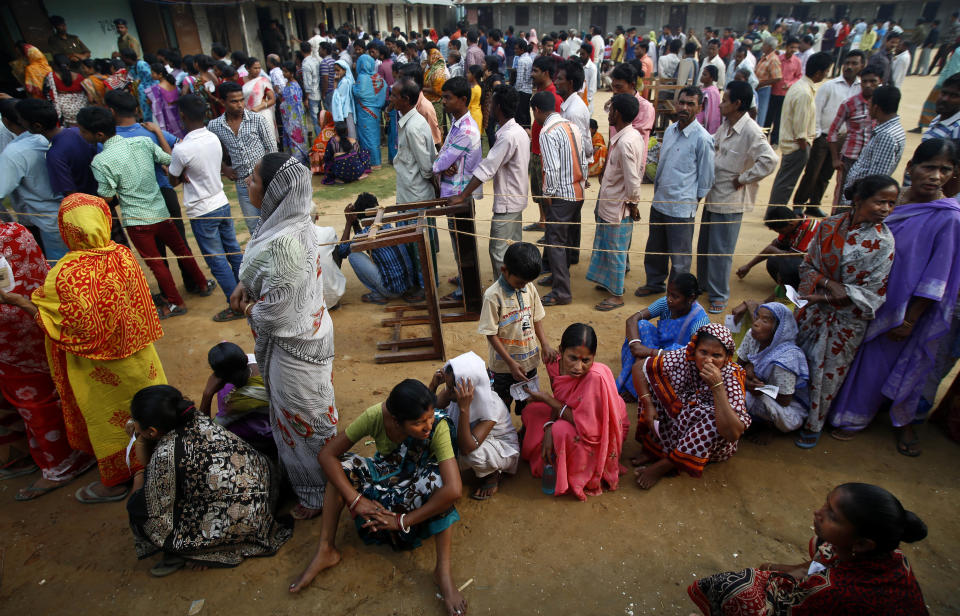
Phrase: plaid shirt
(524, 81)
(125, 168)
(251, 143)
(393, 262)
(854, 113)
(882, 154)
(768, 67)
(461, 148)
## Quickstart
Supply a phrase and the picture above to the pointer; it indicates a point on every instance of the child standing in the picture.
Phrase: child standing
(510, 319)
(599, 150)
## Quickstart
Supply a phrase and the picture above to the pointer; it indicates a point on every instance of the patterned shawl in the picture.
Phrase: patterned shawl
(36, 71)
(676, 382)
(281, 269)
(95, 302)
(782, 350)
(21, 341)
(370, 90)
(436, 74)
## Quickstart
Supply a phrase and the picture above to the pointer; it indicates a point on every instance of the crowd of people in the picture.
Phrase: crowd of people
(875, 284)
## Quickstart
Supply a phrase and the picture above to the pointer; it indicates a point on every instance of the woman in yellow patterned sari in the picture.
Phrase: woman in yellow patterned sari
(100, 321)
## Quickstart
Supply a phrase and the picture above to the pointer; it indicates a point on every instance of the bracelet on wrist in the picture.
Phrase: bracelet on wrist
(400, 518)
(355, 501)
(548, 424)
(907, 323)
(717, 384)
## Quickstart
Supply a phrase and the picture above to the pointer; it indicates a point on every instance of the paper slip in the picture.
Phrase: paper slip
(770, 390)
(518, 391)
(794, 297)
(731, 324)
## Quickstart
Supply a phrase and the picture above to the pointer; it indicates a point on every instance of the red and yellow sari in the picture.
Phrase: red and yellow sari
(100, 321)
(599, 155)
(36, 71)
(327, 131)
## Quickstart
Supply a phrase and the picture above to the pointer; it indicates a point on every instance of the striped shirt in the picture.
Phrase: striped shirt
(393, 262)
(326, 69)
(854, 113)
(564, 161)
(948, 128)
(248, 145)
(461, 148)
(882, 154)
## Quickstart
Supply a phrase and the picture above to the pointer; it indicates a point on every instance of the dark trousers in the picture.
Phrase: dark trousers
(173, 207)
(675, 241)
(791, 166)
(785, 270)
(146, 237)
(558, 236)
(502, 381)
(941, 58)
(523, 109)
(773, 117)
(817, 174)
(573, 253)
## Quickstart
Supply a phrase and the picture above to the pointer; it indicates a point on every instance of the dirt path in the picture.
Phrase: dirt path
(625, 552)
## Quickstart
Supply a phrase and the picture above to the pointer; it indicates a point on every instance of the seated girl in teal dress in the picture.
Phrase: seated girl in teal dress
(679, 317)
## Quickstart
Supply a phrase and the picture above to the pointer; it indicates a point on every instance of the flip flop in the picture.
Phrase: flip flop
(646, 292)
(32, 492)
(13, 473)
(370, 298)
(842, 435)
(88, 497)
(169, 564)
(228, 314)
(716, 308)
(905, 448)
(303, 513)
(551, 300)
(486, 485)
(606, 306)
(805, 434)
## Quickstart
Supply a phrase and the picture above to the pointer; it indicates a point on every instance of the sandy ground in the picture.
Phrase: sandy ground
(625, 552)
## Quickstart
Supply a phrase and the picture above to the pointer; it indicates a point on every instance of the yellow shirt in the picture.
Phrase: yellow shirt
(370, 423)
(617, 49)
(475, 110)
(799, 116)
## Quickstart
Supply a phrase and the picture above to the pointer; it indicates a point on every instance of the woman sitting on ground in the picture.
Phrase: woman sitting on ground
(679, 317)
(319, 149)
(580, 429)
(243, 405)
(486, 438)
(692, 406)
(900, 346)
(843, 278)
(771, 358)
(402, 495)
(205, 496)
(344, 161)
(856, 566)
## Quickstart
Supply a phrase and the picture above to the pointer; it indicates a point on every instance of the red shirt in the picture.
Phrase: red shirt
(726, 48)
(535, 128)
(792, 70)
(801, 237)
(842, 36)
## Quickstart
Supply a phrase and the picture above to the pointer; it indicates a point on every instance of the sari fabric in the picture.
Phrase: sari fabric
(165, 111)
(25, 380)
(881, 586)
(291, 111)
(96, 88)
(370, 95)
(140, 72)
(327, 131)
(68, 99)
(342, 100)
(254, 91)
(860, 259)
(587, 450)
(926, 265)
(688, 434)
(294, 333)
(599, 155)
(36, 71)
(209, 497)
(782, 350)
(434, 76)
(100, 321)
(402, 481)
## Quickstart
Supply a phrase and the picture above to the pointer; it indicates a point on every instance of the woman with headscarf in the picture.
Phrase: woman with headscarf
(327, 131)
(141, 73)
(258, 94)
(95, 80)
(434, 77)
(776, 368)
(694, 409)
(36, 72)
(532, 38)
(343, 107)
(281, 293)
(67, 93)
(370, 95)
(100, 321)
(25, 380)
(486, 439)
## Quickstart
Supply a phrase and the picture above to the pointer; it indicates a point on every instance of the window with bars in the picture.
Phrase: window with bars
(560, 15)
(638, 15)
(522, 17)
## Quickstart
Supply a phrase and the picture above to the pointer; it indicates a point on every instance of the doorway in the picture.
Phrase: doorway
(598, 16)
(930, 10)
(678, 16)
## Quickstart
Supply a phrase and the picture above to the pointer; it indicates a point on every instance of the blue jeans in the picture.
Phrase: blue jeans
(214, 234)
(328, 101)
(763, 103)
(392, 135)
(53, 246)
(314, 113)
(369, 276)
(251, 214)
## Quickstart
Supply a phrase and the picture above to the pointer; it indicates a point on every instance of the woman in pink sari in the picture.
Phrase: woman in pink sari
(581, 428)
(258, 94)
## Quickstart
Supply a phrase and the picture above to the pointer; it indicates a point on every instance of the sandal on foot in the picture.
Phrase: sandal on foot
(32, 492)
(907, 448)
(172, 311)
(717, 307)
(607, 305)
(546, 281)
(228, 314)
(168, 565)
(208, 288)
(842, 435)
(804, 441)
(304, 513)
(370, 298)
(551, 300)
(12, 473)
(88, 497)
(536, 226)
(489, 482)
(646, 292)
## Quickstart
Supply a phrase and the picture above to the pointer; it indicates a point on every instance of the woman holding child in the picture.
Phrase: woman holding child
(580, 429)
(843, 278)
(692, 406)
(900, 345)
(281, 293)
(403, 494)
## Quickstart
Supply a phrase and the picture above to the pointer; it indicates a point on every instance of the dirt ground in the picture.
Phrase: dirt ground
(624, 552)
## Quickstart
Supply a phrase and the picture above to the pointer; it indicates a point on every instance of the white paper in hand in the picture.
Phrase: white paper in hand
(794, 297)
(731, 324)
(770, 390)
(518, 391)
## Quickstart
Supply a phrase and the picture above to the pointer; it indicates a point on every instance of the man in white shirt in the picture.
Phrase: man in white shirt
(589, 74)
(900, 64)
(598, 45)
(311, 84)
(507, 163)
(829, 97)
(569, 82)
(713, 57)
(415, 149)
(667, 64)
(315, 41)
(195, 162)
(277, 79)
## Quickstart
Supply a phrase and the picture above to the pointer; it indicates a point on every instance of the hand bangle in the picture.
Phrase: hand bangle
(717, 384)
(562, 409)
(400, 518)
(547, 425)
(635, 340)
(646, 396)
(907, 323)
(355, 501)
(246, 311)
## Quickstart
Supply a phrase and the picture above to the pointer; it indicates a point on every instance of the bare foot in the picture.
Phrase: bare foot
(196, 565)
(304, 513)
(453, 600)
(325, 558)
(40, 487)
(648, 476)
(642, 459)
(759, 434)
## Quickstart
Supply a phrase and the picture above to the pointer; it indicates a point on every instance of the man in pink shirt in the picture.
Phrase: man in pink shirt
(791, 67)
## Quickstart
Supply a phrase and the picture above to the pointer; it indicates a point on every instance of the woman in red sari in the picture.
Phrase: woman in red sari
(856, 567)
(580, 428)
